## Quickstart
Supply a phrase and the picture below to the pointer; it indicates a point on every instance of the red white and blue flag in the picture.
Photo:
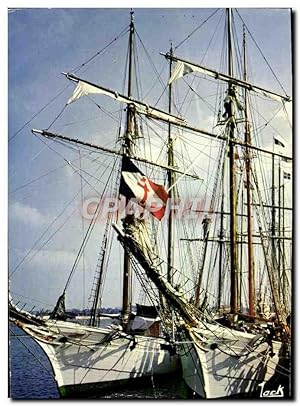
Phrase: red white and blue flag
(135, 185)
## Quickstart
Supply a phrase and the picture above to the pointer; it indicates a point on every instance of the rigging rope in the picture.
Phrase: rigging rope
(201, 61)
(42, 109)
(196, 29)
(87, 235)
(265, 59)
(75, 70)
(123, 32)
(158, 75)
(50, 372)
(46, 174)
(48, 227)
(101, 269)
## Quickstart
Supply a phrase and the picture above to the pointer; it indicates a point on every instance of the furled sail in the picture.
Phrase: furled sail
(59, 311)
(183, 68)
(84, 88)
(135, 238)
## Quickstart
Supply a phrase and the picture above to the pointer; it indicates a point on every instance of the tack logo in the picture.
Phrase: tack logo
(271, 393)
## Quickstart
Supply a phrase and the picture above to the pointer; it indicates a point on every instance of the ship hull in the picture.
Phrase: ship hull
(90, 361)
(219, 363)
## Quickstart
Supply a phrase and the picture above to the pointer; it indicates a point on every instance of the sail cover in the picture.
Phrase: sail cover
(59, 311)
(136, 239)
(135, 185)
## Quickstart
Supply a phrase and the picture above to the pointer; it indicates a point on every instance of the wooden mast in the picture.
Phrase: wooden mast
(284, 281)
(273, 210)
(279, 229)
(251, 276)
(170, 242)
(221, 241)
(232, 183)
(128, 149)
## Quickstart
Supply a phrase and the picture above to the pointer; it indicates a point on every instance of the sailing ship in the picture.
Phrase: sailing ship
(231, 340)
(91, 359)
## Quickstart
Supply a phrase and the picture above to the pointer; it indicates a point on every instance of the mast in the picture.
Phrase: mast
(221, 242)
(279, 224)
(241, 256)
(232, 183)
(273, 211)
(251, 276)
(128, 147)
(170, 241)
(283, 242)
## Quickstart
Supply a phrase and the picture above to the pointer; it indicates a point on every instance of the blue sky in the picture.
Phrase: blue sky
(42, 43)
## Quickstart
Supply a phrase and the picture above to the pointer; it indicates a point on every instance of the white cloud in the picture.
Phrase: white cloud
(43, 274)
(22, 213)
(52, 258)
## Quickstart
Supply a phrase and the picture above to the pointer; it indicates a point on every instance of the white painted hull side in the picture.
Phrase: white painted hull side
(219, 363)
(85, 357)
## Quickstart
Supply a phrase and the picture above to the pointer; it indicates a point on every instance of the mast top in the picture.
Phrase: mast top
(131, 17)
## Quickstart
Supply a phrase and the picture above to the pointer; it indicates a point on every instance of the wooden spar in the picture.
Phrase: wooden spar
(235, 142)
(229, 78)
(114, 152)
(282, 245)
(271, 206)
(232, 183)
(241, 255)
(170, 242)
(179, 122)
(279, 232)
(251, 276)
(273, 213)
(141, 107)
(221, 239)
(243, 235)
(48, 134)
(128, 149)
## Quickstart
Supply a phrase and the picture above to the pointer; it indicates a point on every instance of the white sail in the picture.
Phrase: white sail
(83, 89)
(183, 68)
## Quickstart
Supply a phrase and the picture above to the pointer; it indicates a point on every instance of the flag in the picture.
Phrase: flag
(277, 142)
(286, 175)
(134, 184)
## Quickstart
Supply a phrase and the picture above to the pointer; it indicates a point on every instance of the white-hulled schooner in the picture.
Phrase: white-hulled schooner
(242, 350)
(224, 300)
(88, 360)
